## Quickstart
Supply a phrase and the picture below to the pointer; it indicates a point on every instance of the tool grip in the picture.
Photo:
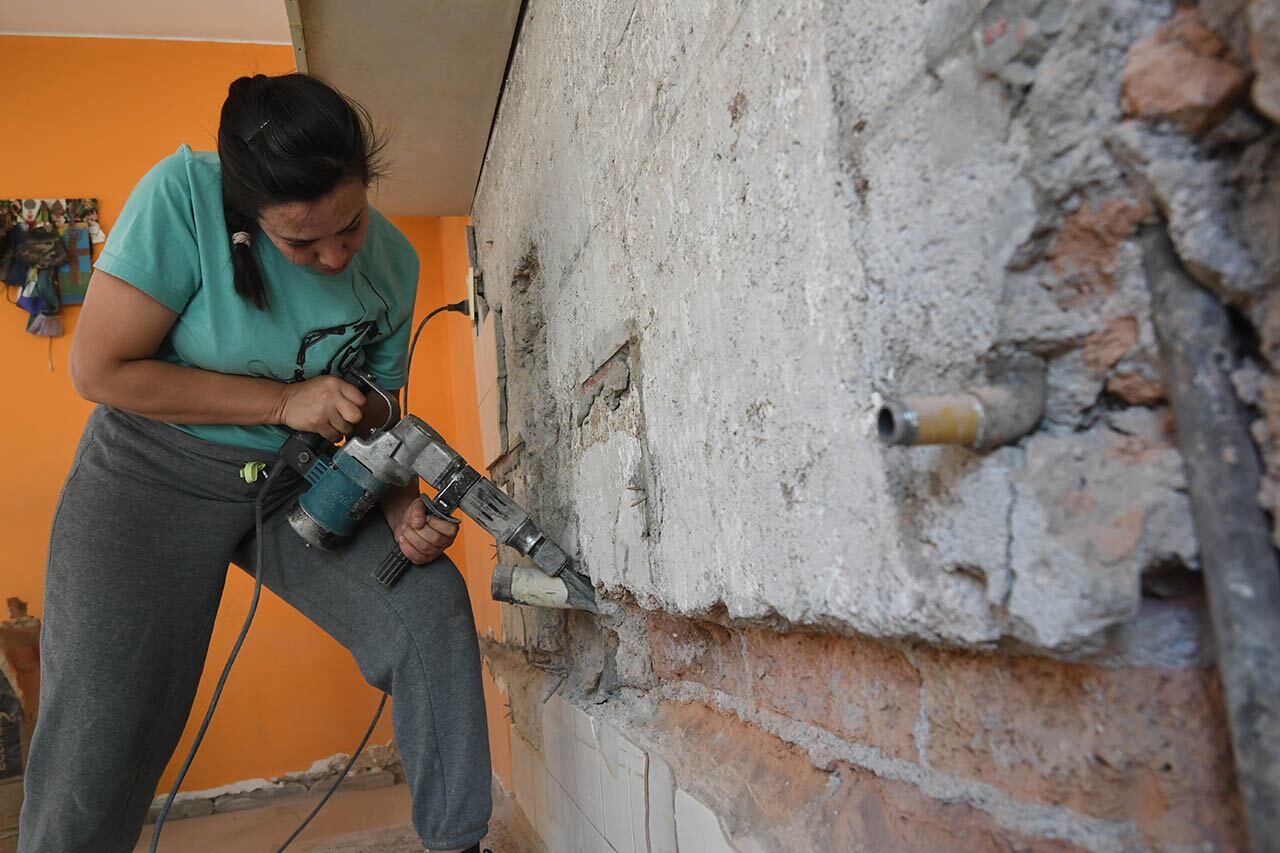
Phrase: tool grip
(395, 563)
(393, 566)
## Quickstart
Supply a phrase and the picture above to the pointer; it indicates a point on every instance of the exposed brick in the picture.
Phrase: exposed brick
(768, 792)
(1083, 253)
(734, 759)
(858, 689)
(1147, 745)
(1264, 46)
(1182, 72)
(890, 815)
(609, 382)
(1106, 346)
(702, 652)
(1136, 388)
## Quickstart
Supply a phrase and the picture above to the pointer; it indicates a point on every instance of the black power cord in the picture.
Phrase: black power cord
(258, 503)
(462, 308)
(382, 703)
(279, 465)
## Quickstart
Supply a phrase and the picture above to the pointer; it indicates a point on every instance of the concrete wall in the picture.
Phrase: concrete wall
(719, 234)
(783, 213)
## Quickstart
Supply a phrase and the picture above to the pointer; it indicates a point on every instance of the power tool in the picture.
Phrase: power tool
(388, 450)
(345, 485)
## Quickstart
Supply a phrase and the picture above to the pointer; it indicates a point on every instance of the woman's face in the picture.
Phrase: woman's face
(322, 235)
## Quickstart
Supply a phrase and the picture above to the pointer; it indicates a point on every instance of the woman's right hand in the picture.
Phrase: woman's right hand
(325, 404)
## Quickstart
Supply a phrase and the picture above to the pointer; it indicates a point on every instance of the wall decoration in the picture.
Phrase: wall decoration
(45, 249)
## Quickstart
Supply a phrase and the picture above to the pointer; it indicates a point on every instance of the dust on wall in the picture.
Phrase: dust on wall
(758, 222)
(720, 234)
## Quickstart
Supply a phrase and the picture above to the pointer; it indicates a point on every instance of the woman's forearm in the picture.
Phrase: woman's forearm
(184, 395)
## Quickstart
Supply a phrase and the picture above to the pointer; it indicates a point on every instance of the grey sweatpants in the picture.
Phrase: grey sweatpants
(148, 522)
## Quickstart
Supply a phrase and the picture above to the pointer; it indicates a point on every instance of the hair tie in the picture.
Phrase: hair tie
(241, 238)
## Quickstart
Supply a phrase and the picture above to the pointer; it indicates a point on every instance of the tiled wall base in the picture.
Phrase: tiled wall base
(592, 791)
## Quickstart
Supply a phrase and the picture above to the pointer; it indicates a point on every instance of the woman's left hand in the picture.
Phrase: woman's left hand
(422, 536)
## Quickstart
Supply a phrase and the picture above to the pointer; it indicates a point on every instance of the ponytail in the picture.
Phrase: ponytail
(249, 283)
(285, 139)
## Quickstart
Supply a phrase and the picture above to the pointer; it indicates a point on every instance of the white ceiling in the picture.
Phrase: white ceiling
(196, 20)
(429, 72)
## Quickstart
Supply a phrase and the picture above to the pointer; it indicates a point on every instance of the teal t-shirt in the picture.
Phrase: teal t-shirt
(171, 242)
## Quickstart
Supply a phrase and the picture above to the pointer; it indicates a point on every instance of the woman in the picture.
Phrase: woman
(233, 289)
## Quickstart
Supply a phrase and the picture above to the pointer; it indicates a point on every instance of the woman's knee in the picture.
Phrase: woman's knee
(427, 611)
(437, 587)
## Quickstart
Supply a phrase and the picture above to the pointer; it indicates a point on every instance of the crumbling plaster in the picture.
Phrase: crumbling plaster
(776, 214)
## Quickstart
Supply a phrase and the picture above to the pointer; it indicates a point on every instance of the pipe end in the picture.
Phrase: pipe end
(897, 423)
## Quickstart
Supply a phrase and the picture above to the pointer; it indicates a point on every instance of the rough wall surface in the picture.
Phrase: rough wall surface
(748, 222)
(799, 741)
(720, 233)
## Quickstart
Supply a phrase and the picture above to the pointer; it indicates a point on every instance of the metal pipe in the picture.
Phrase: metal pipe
(1241, 571)
(945, 419)
(523, 585)
(980, 418)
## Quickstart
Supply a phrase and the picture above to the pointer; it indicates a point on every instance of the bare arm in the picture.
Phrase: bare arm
(113, 362)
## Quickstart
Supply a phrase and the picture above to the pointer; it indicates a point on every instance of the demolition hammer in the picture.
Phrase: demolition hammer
(387, 450)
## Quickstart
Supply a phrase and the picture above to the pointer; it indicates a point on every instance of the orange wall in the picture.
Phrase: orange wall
(121, 105)
(442, 391)
(451, 342)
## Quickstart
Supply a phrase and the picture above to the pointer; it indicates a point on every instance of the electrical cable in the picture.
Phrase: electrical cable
(462, 308)
(279, 465)
(382, 703)
(258, 503)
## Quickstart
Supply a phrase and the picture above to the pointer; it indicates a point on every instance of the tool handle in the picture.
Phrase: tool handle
(395, 563)
(393, 566)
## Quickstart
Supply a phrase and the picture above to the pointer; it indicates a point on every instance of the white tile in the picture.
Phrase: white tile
(622, 791)
(557, 740)
(583, 724)
(637, 811)
(485, 349)
(522, 771)
(587, 838)
(588, 767)
(632, 757)
(697, 827)
(490, 431)
(560, 831)
(616, 797)
(660, 805)
(543, 784)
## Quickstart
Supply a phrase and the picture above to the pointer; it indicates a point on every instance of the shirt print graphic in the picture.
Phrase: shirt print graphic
(337, 348)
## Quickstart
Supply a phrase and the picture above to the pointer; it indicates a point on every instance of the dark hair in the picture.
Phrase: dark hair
(285, 139)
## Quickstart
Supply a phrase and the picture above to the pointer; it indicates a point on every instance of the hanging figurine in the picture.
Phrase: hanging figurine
(6, 247)
(14, 270)
(79, 233)
(86, 211)
(45, 248)
(43, 252)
